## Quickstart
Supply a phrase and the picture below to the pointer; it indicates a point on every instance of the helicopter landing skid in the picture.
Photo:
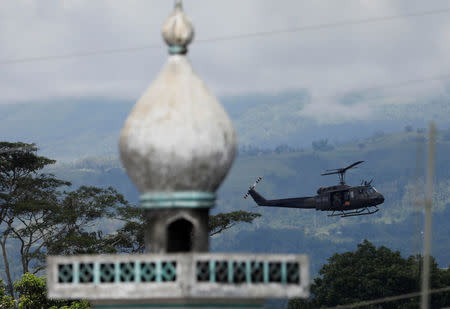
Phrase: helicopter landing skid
(359, 212)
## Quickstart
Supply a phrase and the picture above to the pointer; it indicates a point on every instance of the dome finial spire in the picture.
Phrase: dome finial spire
(178, 31)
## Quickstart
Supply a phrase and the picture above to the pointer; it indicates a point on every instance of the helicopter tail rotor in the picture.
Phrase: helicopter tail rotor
(253, 186)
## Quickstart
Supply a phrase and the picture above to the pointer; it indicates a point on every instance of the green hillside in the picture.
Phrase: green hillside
(390, 159)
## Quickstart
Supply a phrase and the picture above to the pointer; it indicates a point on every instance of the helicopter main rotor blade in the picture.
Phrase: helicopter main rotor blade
(352, 165)
(341, 171)
(330, 173)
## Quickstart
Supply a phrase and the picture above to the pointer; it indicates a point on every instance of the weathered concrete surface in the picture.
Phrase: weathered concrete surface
(157, 236)
(178, 29)
(177, 137)
(186, 285)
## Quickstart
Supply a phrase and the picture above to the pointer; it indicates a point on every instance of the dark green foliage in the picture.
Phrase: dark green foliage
(27, 198)
(224, 221)
(44, 219)
(300, 304)
(78, 211)
(32, 292)
(6, 301)
(372, 273)
(33, 295)
(130, 238)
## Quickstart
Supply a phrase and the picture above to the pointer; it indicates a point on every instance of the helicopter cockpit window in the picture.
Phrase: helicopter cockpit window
(352, 194)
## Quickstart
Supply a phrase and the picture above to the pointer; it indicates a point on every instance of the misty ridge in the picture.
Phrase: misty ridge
(69, 129)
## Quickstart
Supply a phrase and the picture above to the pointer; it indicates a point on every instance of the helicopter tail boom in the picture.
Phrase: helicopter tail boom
(258, 198)
(298, 202)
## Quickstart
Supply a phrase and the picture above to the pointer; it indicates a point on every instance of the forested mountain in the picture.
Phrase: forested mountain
(282, 140)
(391, 159)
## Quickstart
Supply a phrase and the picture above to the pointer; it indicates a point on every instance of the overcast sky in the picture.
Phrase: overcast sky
(325, 62)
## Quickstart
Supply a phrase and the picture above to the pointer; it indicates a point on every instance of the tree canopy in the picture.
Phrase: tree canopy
(372, 273)
(40, 216)
(130, 237)
(223, 221)
(33, 295)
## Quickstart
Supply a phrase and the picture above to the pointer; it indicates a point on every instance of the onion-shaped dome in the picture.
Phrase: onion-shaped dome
(177, 137)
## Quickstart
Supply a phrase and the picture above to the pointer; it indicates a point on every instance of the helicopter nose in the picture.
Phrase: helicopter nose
(380, 199)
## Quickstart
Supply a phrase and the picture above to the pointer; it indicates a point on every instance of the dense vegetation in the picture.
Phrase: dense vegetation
(32, 292)
(371, 273)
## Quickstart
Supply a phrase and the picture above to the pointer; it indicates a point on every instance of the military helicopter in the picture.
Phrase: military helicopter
(342, 200)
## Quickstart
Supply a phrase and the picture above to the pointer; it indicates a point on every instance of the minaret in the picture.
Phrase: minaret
(177, 145)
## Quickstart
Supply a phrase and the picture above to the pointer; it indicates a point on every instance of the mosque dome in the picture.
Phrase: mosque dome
(177, 137)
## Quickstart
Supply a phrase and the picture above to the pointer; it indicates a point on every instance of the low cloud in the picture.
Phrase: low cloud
(329, 62)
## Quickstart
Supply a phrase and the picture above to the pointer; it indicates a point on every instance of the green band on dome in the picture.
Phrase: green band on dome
(177, 49)
(178, 199)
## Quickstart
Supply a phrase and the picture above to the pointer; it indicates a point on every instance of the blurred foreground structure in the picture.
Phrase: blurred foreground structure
(177, 146)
